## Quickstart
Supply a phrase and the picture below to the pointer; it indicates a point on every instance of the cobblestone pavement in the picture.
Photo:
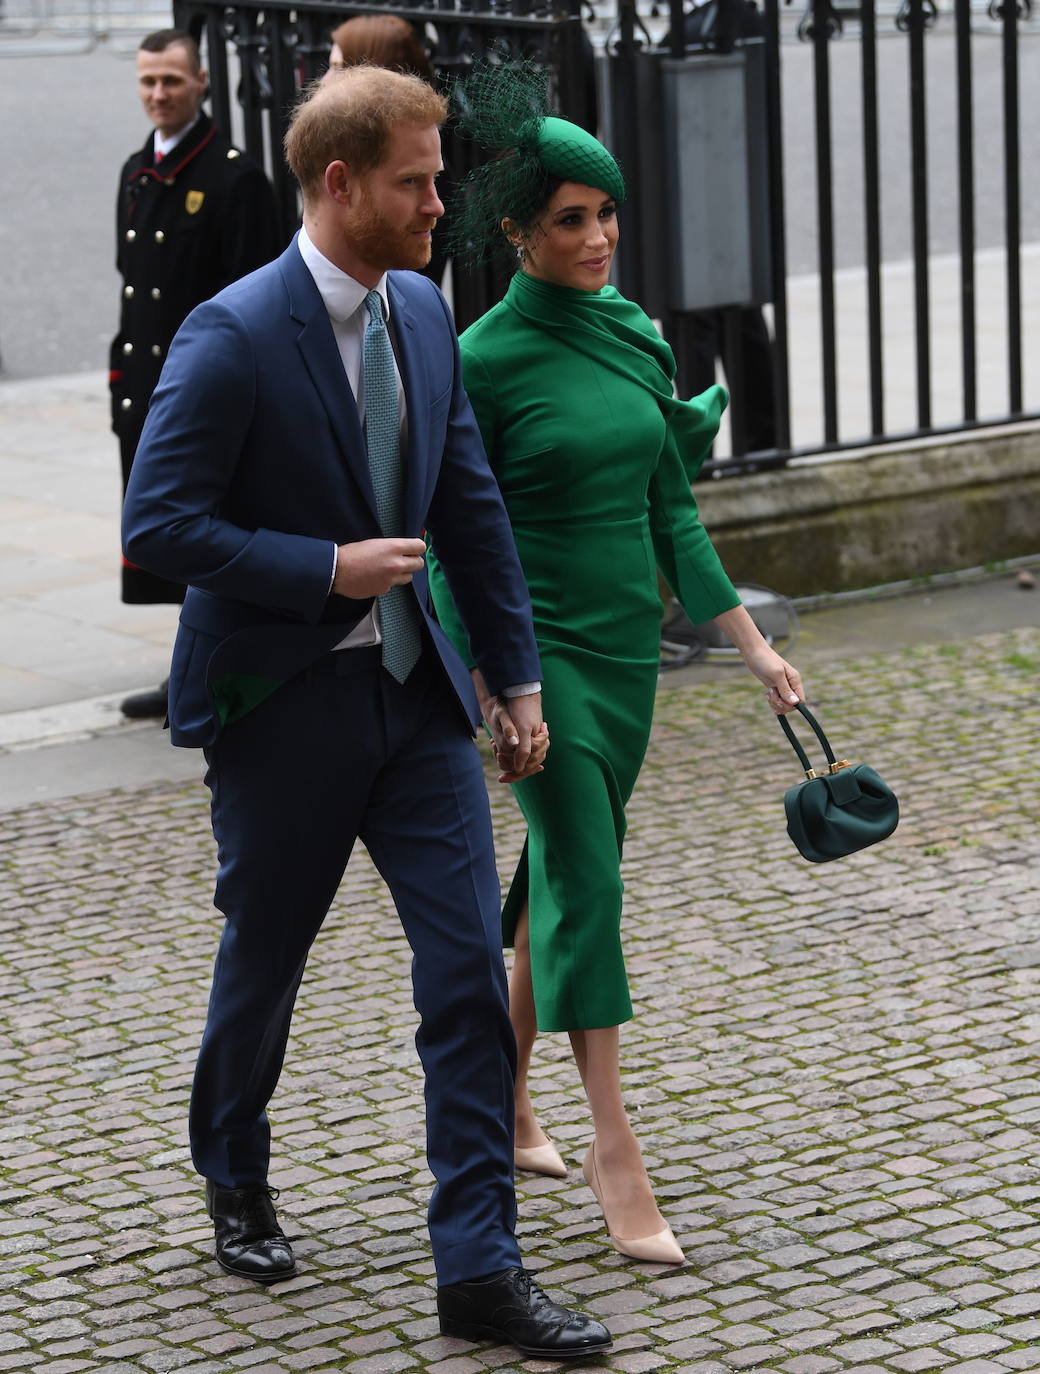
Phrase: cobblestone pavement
(834, 1069)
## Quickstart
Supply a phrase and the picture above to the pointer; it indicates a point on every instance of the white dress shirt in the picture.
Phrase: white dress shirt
(165, 146)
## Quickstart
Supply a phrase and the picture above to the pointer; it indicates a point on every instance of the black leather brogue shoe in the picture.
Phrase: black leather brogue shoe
(250, 1243)
(511, 1307)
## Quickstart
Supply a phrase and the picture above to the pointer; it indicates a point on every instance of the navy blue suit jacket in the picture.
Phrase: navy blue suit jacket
(252, 467)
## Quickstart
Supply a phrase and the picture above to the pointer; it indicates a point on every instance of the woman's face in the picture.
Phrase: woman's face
(573, 241)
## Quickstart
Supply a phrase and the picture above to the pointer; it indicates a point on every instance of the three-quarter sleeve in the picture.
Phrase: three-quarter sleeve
(685, 554)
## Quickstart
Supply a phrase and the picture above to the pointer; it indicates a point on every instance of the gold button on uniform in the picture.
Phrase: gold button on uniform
(160, 237)
(156, 351)
(131, 234)
(156, 294)
(128, 292)
(128, 348)
(126, 403)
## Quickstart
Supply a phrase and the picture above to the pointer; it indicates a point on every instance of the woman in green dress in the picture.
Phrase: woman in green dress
(571, 387)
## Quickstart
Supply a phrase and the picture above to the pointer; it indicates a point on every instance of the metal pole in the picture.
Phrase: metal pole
(676, 29)
(966, 195)
(627, 126)
(919, 194)
(1012, 206)
(283, 93)
(872, 213)
(825, 215)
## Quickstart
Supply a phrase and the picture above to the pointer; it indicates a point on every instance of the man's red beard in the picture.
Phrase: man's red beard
(383, 245)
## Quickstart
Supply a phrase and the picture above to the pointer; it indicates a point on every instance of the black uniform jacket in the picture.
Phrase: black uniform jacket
(185, 230)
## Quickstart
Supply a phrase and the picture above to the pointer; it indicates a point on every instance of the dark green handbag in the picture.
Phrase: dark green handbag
(839, 809)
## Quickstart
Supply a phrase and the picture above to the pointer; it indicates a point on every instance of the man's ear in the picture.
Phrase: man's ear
(338, 181)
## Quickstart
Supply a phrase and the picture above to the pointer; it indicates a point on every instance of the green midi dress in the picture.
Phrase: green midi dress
(572, 393)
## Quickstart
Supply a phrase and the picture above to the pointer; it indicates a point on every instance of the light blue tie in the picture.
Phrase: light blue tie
(398, 614)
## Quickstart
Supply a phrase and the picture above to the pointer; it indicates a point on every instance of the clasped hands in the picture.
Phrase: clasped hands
(519, 735)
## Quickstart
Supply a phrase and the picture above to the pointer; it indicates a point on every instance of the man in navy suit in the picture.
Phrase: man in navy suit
(329, 704)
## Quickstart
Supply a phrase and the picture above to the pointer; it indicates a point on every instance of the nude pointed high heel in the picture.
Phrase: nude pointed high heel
(540, 1159)
(660, 1248)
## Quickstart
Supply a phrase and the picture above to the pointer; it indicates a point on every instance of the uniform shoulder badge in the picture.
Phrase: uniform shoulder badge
(193, 201)
(233, 152)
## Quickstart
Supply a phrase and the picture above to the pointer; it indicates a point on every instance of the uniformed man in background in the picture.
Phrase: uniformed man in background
(193, 215)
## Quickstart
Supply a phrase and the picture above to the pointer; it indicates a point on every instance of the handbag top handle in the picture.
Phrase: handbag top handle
(833, 765)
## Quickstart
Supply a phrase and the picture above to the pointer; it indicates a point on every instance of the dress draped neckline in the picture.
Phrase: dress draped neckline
(619, 335)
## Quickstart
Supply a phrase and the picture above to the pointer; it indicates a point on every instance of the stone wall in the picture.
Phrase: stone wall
(835, 523)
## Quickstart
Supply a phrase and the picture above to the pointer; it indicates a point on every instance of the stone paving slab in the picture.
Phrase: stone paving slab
(64, 632)
(833, 1069)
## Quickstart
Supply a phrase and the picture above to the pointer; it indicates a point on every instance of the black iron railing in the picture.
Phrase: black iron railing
(260, 53)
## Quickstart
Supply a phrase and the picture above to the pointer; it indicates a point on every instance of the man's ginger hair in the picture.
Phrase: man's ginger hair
(349, 116)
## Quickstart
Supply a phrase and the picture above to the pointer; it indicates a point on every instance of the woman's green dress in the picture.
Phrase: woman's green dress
(573, 396)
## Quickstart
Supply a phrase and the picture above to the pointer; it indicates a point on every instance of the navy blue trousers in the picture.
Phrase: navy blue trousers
(339, 752)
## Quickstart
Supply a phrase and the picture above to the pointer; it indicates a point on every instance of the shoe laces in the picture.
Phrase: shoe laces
(258, 1213)
(531, 1293)
(539, 1303)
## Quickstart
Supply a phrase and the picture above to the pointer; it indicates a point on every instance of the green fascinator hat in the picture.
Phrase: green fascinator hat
(504, 106)
(569, 152)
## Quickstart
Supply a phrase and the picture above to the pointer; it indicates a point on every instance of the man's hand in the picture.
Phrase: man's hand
(505, 758)
(372, 566)
(519, 736)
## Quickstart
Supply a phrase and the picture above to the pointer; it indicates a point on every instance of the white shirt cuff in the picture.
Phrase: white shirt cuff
(522, 689)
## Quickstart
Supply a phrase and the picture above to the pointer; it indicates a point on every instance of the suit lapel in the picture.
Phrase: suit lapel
(412, 366)
(317, 345)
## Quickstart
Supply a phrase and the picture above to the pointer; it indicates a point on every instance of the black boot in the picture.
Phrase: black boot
(250, 1243)
(146, 705)
(510, 1307)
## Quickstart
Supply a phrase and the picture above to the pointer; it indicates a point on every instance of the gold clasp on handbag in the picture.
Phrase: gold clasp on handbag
(811, 773)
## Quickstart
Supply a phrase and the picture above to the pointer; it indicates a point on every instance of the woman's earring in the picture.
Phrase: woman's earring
(520, 253)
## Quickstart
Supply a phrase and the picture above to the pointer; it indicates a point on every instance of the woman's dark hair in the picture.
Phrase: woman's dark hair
(384, 40)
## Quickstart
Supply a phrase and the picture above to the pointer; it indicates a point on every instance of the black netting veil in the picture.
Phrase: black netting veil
(504, 106)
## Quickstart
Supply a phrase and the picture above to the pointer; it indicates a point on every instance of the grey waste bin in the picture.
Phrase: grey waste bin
(716, 170)
(691, 136)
